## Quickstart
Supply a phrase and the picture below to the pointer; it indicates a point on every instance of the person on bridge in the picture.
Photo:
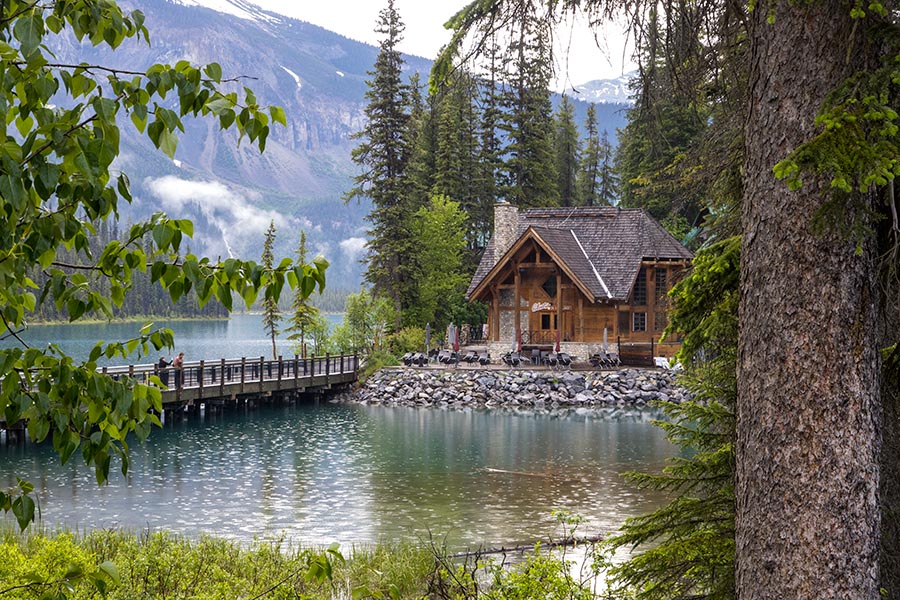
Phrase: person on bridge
(178, 364)
(163, 370)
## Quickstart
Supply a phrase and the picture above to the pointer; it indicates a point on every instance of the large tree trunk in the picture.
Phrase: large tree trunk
(808, 414)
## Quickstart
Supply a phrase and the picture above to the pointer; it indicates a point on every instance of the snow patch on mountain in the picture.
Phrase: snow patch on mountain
(605, 91)
(294, 75)
(237, 8)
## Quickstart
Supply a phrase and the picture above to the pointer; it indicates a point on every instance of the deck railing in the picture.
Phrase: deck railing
(201, 374)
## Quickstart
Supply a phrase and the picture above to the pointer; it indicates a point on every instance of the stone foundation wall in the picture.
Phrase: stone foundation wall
(464, 386)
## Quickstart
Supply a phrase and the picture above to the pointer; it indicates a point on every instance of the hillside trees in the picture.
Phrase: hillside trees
(60, 138)
(816, 423)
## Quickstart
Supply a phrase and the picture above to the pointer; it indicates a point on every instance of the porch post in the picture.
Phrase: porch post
(516, 303)
(559, 321)
(495, 323)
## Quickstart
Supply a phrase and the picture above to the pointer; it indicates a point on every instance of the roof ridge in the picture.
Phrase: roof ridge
(590, 262)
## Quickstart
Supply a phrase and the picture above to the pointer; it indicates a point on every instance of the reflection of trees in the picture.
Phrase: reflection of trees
(501, 474)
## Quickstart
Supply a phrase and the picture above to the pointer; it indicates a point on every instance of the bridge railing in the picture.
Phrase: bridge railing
(240, 370)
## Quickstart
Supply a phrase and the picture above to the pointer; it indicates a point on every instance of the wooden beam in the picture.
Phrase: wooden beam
(559, 321)
(516, 303)
(580, 319)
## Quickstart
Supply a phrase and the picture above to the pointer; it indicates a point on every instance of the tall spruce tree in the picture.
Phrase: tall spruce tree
(526, 119)
(303, 313)
(383, 156)
(567, 148)
(421, 167)
(458, 151)
(271, 315)
(608, 190)
(597, 182)
(489, 160)
(589, 168)
(652, 161)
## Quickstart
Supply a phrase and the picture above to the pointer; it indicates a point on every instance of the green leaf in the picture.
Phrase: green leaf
(29, 29)
(74, 572)
(213, 71)
(109, 568)
(168, 143)
(23, 509)
(278, 115)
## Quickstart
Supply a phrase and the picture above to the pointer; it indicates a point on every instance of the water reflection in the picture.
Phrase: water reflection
(350, 473)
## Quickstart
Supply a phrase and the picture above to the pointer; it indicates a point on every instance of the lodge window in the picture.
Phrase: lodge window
(640, 288)
(639, 321)
(545, 321)
(549, 286)
(661, 287)
(660, 320)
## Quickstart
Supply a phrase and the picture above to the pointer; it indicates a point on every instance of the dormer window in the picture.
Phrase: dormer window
(549, 286)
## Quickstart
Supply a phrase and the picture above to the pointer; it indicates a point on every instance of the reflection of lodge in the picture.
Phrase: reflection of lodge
(577, 276)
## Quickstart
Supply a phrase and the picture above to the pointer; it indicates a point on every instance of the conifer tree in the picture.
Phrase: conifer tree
(303, 313)
(458, 151)
(567, 148)
(526, 118)
(608, 190)
(383, 156)
(271, 315)
(663, 127)
(489, 161)
(420, 171)
(589, 168)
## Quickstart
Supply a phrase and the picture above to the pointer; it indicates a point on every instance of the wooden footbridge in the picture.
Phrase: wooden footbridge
(221, 381)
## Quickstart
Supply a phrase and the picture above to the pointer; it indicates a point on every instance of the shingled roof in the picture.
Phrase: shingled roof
(602, 246)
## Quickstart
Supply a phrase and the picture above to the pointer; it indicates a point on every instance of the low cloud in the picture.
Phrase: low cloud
(353, 247)
(229, 211)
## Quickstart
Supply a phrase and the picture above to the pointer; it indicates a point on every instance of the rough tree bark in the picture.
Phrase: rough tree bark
(809, 413)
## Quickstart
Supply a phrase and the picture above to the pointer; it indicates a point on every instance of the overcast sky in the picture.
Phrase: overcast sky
(425, 34)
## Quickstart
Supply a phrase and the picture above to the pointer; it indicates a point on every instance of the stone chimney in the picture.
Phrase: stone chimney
(506, 227)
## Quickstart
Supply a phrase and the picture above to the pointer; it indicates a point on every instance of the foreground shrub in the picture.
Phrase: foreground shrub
(123, 566)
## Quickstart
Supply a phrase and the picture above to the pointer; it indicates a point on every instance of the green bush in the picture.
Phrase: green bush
(377, 360)
(408, 339)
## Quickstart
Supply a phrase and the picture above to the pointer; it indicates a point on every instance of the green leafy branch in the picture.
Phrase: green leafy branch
(59, 141)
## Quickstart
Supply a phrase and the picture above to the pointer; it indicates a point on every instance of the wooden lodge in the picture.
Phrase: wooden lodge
(576, 276)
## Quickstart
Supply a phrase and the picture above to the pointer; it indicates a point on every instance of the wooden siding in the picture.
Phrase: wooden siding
(533, 295)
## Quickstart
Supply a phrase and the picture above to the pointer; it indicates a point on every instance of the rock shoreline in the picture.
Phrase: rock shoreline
(462, 387)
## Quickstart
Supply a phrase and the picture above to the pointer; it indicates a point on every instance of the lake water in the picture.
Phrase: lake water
(243, 335)
(354, 474)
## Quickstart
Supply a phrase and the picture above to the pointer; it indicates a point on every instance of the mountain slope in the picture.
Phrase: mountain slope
(230, 190)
